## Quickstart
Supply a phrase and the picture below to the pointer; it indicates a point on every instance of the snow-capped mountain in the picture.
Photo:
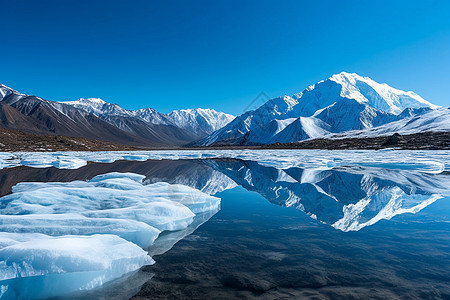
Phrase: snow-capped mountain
(200, 122)
(340, 103)
(379, 96)
(104, 110)
(99, 107)
(437, 120)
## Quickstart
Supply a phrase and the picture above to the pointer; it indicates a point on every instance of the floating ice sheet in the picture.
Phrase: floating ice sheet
(429, 161)
(81, 234)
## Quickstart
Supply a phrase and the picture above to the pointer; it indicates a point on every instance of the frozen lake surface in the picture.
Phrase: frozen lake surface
(426, 161)
(268, 224)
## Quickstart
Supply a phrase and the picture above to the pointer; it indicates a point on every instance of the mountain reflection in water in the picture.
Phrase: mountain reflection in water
(346, 198)
(282, 232)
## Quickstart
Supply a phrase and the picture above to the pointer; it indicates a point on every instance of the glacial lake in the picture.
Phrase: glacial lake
(370, 225)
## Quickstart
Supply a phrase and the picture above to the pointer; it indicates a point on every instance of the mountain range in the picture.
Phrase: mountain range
(97, 119)
(344, 105)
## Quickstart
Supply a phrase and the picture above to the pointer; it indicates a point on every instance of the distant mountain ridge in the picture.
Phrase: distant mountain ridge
(343, 102)
(197, 120)
(96, 119)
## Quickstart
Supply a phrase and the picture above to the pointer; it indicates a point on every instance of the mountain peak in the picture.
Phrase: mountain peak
(6, 91)
(2, 86)
(86, 102)
(378, 95)
(194, 110)
(349, 78)
(92, 100)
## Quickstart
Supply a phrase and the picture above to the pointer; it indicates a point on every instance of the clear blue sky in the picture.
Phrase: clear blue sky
(219, 54)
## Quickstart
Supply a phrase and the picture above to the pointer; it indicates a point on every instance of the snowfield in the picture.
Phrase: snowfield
(79, 235)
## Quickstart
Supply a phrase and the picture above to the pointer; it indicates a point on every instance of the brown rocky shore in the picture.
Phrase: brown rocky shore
(14, 140)
(417, 141)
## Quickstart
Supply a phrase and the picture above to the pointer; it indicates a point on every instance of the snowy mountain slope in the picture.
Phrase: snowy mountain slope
(340, 103)
(4, 91)
(99, 108)
(273, 128)
(437, 120)
(379, 96)
(349, 114)
(199, 122)
(340, 116)
(301, 129)
(150, 115)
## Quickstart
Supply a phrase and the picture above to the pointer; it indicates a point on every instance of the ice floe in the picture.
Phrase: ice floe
(429, 161)
(81, 234)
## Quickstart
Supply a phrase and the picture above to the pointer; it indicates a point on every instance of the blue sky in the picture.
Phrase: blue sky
(219, 54)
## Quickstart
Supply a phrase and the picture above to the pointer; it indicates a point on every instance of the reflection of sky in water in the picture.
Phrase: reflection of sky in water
(360, 232)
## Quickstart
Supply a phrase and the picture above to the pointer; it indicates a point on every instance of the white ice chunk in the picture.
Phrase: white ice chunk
(106, 199)
(47, 267)
(71, 254)
(73, 224)
(133, 176)
(44, 162)
(78, 235)
(67, 162)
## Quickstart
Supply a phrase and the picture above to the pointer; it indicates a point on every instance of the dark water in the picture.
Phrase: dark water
(255, 249)
(347, 233)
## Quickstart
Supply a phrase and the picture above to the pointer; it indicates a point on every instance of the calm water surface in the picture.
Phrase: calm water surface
(346, 233)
